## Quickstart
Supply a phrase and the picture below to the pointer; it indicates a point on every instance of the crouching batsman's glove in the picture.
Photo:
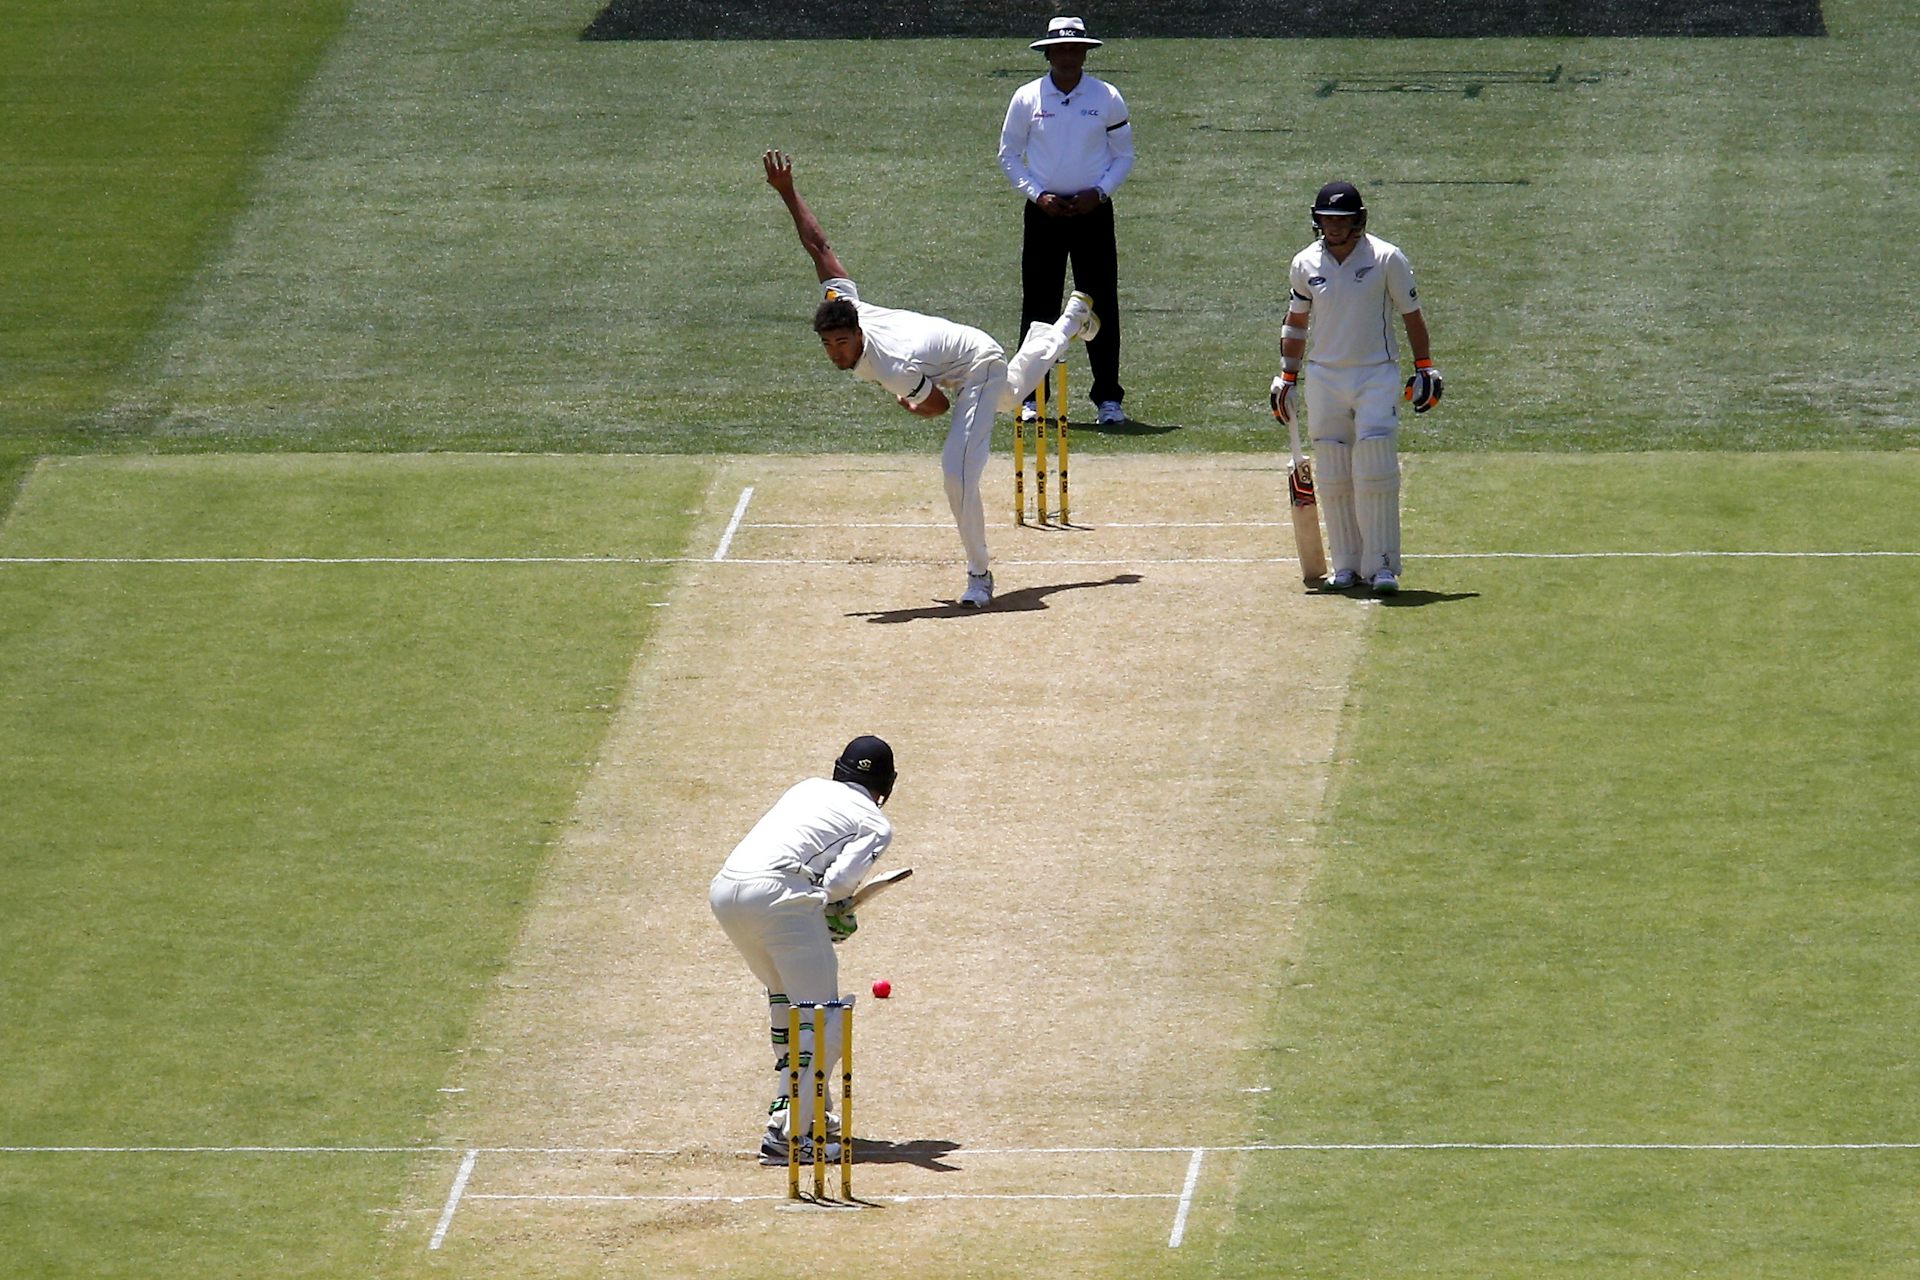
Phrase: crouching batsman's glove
(841, 923)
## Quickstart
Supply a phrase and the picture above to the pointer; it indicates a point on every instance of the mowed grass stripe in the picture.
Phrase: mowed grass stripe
(538, 241)
(1619, 855)
(270, 832)
(128, 140)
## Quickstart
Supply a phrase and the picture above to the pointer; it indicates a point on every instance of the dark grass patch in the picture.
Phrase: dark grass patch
(868, 20)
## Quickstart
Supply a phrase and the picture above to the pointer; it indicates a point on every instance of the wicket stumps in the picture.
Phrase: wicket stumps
(1057, 381)
(817, 1015)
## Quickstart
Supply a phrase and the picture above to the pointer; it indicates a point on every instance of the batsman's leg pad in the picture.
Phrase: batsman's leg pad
(1376, 497)
(1333, 482)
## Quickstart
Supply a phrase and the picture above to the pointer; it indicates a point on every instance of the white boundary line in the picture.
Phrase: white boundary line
(733, 525)
(453, 1198)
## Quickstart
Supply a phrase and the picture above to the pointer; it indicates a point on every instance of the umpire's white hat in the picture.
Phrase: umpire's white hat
(1066, 31)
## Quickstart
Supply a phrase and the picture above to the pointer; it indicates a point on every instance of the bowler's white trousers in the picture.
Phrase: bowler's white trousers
(994, 385)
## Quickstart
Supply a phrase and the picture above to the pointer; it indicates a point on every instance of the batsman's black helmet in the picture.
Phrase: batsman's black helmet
(1341, 199)
(868, 761)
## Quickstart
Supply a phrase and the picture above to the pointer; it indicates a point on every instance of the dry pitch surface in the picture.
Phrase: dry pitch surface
(1109, 785)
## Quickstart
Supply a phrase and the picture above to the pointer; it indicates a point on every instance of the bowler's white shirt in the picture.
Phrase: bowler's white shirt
(1351, 305)
(828, 833)
(905, 350)
(1066, 142)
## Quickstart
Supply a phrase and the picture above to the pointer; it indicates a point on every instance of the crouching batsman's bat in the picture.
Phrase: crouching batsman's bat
(1306, 508)
(885, 880)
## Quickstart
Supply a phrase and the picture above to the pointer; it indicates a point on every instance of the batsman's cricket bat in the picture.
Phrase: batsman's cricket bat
(1306, 513)
(885, 880)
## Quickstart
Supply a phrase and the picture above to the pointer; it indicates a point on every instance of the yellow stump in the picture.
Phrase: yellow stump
(1019, 470)
(1040, 454)
(846, 1101)
(793, 1102)
(819, 1103)
(1060, 436)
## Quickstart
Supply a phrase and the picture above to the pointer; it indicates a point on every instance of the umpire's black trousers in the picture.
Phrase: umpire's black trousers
(1088, 241)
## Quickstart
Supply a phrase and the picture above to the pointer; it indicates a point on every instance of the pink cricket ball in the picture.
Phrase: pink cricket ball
(882, 989)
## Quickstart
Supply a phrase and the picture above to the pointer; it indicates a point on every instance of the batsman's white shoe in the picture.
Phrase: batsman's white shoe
(1111, 414)
(979, 592)
(774, 1150)
(1343, 580)
(1384, 583)
(1086, 325)
(1029, 412)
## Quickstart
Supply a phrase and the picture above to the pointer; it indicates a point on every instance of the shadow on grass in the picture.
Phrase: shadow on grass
(1025, 600)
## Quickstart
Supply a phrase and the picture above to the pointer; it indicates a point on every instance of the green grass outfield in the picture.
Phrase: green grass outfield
(1621, 845)
(478, 231)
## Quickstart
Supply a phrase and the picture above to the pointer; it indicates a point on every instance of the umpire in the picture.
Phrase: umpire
(1067, 146)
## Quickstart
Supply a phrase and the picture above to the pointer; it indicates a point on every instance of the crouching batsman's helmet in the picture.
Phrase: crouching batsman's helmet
(868, 761)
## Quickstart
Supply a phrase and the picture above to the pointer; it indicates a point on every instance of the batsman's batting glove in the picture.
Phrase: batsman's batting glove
(1281, 396)
(841, 923)
(1425, 386)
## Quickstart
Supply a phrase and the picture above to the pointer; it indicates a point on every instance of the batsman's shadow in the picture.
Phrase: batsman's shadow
(1405, 599)
(1025, 600)
(924, 1153)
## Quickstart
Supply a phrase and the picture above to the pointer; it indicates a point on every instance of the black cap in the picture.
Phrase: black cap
(868, 761)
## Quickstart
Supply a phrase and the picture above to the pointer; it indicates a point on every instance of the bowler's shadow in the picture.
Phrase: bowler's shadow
(1025, 600)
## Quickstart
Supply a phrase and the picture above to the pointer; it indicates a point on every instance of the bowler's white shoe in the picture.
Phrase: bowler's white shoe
(979, 592)
(1086, 325)
(1384, 583)
(1111, 414)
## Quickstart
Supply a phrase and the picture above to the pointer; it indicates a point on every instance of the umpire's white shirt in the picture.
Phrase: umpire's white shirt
(1066, 142)
(906, 351)
(820, 834)
(1351, 305)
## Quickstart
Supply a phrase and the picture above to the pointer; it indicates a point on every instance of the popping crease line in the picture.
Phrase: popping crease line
(1181, 1149)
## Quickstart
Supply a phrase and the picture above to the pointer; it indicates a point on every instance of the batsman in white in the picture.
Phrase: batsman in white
(784, 899)
(932, 366)
(1349, 285)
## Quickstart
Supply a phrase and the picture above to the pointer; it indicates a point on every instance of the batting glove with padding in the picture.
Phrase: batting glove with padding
(841, 923)
(1424, 388)
(1281, 396)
